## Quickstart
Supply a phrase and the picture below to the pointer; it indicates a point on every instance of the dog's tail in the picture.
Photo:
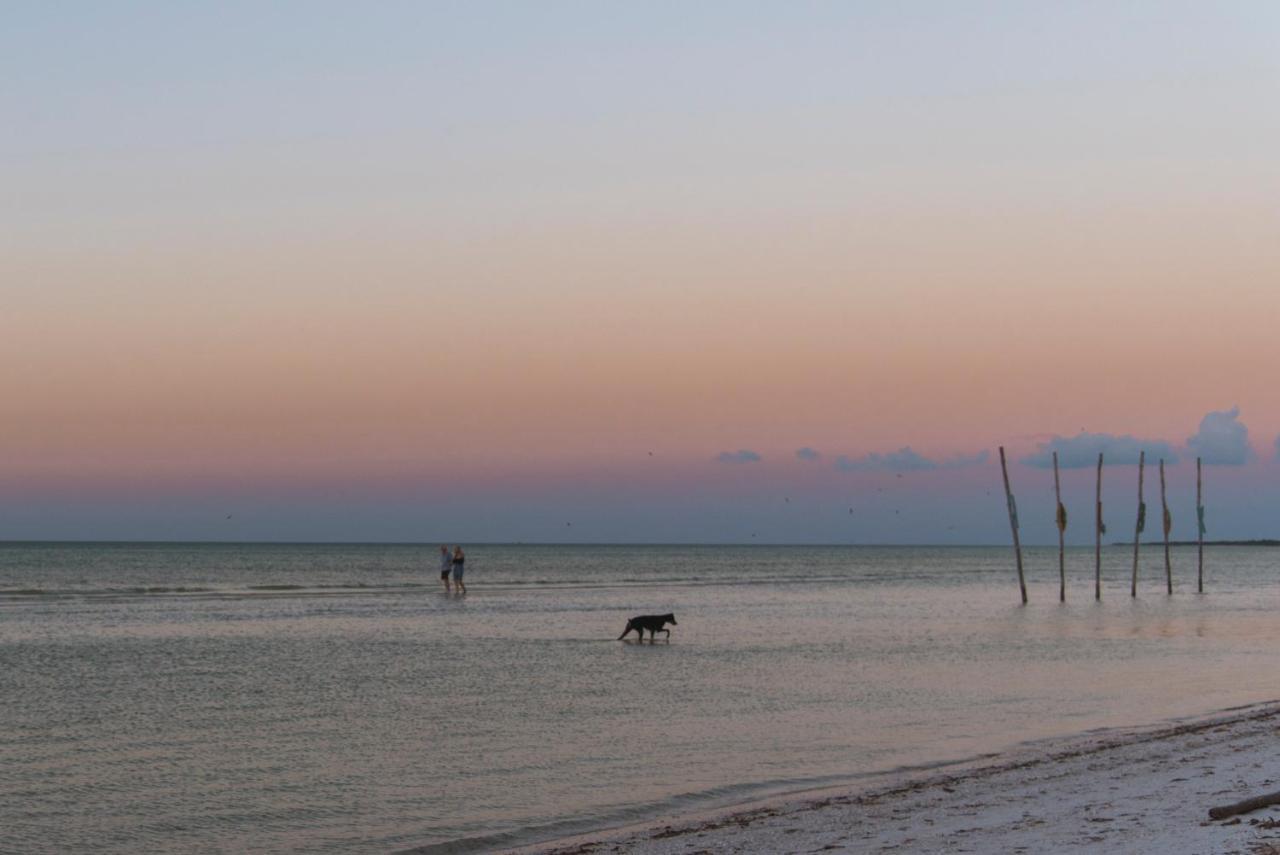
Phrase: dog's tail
(625, 631)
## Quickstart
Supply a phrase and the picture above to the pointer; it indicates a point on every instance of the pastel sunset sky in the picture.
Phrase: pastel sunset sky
(582, 271)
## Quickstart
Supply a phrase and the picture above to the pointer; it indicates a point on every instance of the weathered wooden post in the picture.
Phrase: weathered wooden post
(1062, 528)
(1142, 523)
(1166, 521)
(1101, 529)
(1199, 533)
(1013, 524)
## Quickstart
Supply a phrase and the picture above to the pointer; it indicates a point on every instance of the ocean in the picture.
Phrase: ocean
(322, 698)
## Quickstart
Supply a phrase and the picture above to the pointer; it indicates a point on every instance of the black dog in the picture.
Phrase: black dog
(653, 623)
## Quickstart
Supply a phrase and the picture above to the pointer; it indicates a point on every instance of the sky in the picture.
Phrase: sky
(657, 272)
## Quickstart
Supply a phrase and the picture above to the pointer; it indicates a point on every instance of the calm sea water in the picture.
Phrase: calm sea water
(177, 697)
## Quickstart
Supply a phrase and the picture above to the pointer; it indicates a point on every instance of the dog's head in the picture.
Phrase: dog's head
(670, 618)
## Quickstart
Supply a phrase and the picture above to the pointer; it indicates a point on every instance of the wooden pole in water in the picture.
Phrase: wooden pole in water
(1097, 544)
(1062, 527)
(1166, 522)
(1013, 524)
(1141, 524)
(1199, 533)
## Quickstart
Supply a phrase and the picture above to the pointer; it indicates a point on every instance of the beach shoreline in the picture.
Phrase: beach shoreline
(1141, 789)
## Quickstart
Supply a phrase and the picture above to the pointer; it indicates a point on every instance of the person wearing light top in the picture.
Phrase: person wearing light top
(446, 564)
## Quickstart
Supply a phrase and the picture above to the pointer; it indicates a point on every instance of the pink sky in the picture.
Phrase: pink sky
(539, 275)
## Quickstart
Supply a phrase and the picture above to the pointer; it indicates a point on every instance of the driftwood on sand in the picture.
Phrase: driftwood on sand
(1245, 806)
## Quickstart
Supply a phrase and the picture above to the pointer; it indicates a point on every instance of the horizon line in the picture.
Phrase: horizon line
(434, 543)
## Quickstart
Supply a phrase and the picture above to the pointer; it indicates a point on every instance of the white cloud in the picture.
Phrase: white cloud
(905, 459)
(1222, 439)
(1082, 450)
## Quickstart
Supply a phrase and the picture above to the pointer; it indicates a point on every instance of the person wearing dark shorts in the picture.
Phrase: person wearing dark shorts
(446, 564)
(459, 567)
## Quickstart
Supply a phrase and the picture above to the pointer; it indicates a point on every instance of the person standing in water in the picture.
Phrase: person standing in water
(459, 567)
(446, 564)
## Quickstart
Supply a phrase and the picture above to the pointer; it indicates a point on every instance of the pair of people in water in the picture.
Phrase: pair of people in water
(453, 563)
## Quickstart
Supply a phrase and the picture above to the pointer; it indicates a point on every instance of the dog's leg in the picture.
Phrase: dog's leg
(625, 631)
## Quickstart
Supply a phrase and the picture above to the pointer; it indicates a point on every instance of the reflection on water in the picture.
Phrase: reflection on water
(332, 698)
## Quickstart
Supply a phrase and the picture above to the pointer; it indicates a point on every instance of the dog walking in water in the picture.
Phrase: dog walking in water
(653, 623)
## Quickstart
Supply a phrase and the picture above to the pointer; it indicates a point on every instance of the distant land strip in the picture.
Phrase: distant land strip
(1263, 542)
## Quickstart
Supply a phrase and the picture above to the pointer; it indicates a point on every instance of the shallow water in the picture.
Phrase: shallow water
(311, 698)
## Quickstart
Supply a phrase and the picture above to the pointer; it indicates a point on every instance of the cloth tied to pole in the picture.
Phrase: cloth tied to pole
(1200, 519)
(1142, 517)
(1102, 527)
(1062, 517)
(1013, 511)
(1168, 522)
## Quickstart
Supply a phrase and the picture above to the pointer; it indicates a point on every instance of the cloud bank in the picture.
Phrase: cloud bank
(905, 459)
(807, 453)
(1081, 450)
(742, 455)
(1222, 439)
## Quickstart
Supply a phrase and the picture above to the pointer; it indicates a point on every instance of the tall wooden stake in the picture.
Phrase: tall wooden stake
(1199, 533)
(1062, 527)
(1166, 522)
(1013, 524)
(1097, 544)
(1141, 524)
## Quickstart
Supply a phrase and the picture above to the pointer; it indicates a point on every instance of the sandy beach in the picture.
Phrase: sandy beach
(1141, 790)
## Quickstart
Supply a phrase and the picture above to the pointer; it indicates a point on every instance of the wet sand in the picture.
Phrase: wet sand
(1142, 790)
